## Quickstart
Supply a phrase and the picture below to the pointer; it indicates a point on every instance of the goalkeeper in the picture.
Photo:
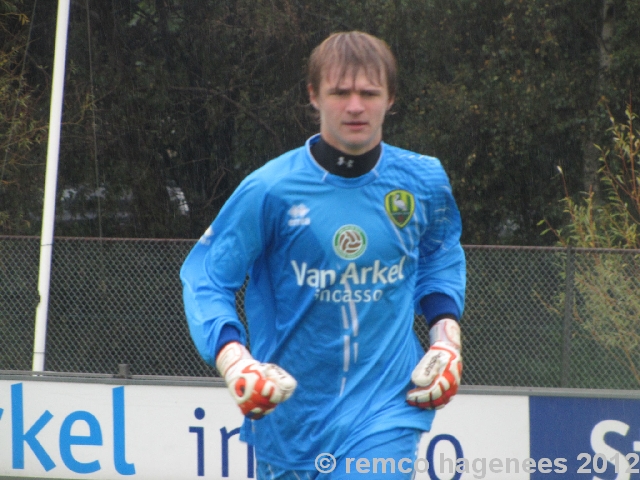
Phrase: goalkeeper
(343, 239)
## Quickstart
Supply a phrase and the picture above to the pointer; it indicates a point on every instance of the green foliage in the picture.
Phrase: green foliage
(195, 94)
(613, 223)
(501, 93)
(22, 129)
(607, 307)
(623, 77)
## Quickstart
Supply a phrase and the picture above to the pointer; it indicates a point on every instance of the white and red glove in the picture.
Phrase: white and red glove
(256, 387)
(437, 376)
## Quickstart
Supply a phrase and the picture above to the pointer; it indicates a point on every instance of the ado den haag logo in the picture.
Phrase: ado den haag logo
(400, 206)
(349, 242)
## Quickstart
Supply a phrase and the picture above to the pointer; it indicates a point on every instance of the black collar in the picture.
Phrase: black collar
(341, 164)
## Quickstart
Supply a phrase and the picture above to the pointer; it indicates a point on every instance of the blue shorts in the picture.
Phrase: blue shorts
(383, 455)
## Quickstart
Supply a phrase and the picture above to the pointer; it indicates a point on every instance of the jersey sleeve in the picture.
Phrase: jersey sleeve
(217, 267)
(442, 265)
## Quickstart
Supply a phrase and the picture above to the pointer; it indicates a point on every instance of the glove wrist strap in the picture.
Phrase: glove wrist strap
(447, 331)
(229, 355)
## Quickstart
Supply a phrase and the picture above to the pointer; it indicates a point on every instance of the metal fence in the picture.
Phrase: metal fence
(539, 317)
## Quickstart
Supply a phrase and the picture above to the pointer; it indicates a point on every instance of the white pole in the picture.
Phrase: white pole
(50, 185)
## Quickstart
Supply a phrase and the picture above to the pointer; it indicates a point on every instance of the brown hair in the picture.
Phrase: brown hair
(350, 52)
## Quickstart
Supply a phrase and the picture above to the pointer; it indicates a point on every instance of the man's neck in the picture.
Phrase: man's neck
(342, 164)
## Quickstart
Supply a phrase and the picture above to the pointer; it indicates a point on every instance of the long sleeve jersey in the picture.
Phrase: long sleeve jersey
(337, 267)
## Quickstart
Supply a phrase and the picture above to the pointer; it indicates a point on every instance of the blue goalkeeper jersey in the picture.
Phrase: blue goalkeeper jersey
(337, 267)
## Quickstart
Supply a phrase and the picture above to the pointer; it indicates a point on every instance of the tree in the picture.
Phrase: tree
(22, 129)
(606, 283)
(500, 91)
(169, 104)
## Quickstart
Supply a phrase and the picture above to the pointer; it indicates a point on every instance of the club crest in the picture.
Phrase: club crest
(399, 205)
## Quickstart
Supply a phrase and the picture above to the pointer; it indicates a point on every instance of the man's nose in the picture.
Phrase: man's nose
(355, 103)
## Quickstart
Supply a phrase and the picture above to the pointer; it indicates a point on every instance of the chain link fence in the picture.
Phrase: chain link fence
(538, 317)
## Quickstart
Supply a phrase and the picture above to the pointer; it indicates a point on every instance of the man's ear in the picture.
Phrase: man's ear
(313, 98)
(391, 100)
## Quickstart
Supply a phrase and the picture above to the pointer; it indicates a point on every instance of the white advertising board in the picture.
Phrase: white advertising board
(478, 429)
(75, 429)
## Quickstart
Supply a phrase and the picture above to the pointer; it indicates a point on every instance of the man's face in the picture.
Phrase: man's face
(352, 110)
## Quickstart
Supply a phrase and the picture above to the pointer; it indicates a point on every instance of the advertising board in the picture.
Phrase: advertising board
(105, 430)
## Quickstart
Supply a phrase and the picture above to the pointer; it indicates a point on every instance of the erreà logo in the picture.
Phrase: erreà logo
(399, 205)
(349, 242)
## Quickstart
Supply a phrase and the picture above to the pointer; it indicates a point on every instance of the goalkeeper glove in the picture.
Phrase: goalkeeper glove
(437, 376)
(256, 387)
